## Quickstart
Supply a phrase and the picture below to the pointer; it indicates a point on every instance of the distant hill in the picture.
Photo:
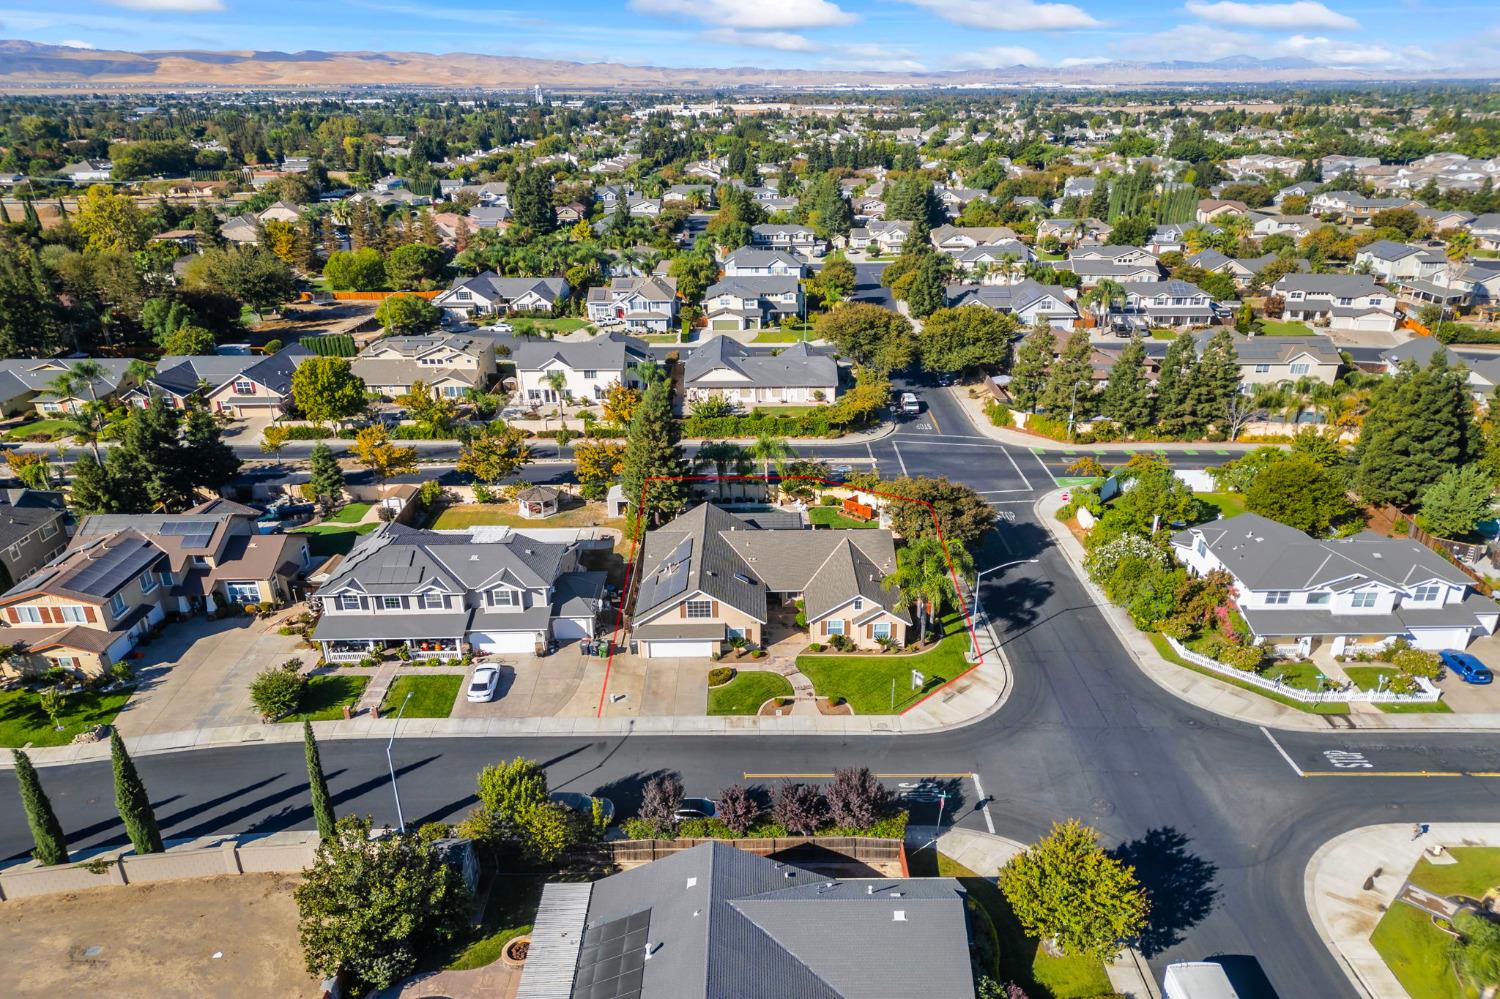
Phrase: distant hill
(24, 63)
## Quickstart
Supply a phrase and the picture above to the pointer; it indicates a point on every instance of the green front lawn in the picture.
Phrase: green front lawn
(353, 513)
(324, 697)
(508, 913)
(747, 692)
(464, 515)
(1228, 504)
(1302, 676)
(51, 429)
(865, 680)
(1020, 958)
(778, 336)
(1368, 678)
(1416, 953)
(562, 325)
(830, 516)
(23, 721)
(1477, 871)
(333, 539)
(1159, 642)
(431, 696)
(1279, 327)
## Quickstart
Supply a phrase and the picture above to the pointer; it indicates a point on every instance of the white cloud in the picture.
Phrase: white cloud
(751, 14)
(1071, 61)
(1009, 15)
(1334, 53)
(998, 56)
(74, 43)
(783, 41)
(1298, 16)
(1191, 42)
(178, 6)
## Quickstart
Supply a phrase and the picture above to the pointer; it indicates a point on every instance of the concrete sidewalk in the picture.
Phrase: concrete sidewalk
(1223, 698)
(1345, 911)
(985, 853)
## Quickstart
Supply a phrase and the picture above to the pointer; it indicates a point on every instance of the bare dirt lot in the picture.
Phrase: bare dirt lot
(157, 940)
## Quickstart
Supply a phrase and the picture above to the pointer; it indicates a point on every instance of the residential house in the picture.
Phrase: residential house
(87, 171)
(1482, 374)
(995, 260)
(954, 199)
(1263, 224)
(1336, 166)
(1343, 301)
(752, 303)
(1446, 218)
(280, 211)
(868, 208)
(1070, 231)
(1272, 360)
(1394, 262)
(1027, 300)
(485, 293)
(722, 367)
(242, 230)
(28, 384)
(489, 216)
(589, 364)
(32, 531)
(641, 303)
(448, 364)
(1079, 187)
(954, 240)
(1210, 209)
(1301, 189)
(1170, 303)
(1242, 269)
(263, 388)
(1464, 284)
(709, 576)
(1352, 207)
(750, 262)
(883, 237)
(180, 378)
(715, 921)
(792, 237)
(1172, 237)
(1486, 230)
(442, 593)
(1345, 596)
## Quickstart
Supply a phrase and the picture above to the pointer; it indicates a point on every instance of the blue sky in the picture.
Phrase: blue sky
(811, 34)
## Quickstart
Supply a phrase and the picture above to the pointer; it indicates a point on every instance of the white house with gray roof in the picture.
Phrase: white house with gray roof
(747, 261)
(444, 593)
(752, 303)
(1340, 301)
(716, 922)
(1171, 303)
(489, 292)
(641, 303)
(1391, 261)
(725, 368)
(795, 238)
(1482, 374)
(589, 364)
(1348, 594)
(711, 575)
(1272, 360)
(1027, 300)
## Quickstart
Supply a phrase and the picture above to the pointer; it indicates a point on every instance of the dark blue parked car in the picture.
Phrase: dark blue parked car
(1466, 667)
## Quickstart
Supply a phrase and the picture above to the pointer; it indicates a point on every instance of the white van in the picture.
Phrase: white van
(1197, 980)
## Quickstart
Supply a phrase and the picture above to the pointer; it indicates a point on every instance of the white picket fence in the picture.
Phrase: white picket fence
(1429, 693)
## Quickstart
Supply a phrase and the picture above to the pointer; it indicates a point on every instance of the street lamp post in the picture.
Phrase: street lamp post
(974, 612)
(400, 820)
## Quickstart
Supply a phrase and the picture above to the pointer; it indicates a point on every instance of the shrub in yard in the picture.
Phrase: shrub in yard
(660, 800)
(720, 675)
(841, 643)
(637, 828)
(277, 691)
(998, 413)
(856, 798)
(122, 672)
(1417, 662)
(1241, 657)
(815, 647)
(737, 809)
(800, 808)
(829, 500)
(704, 829)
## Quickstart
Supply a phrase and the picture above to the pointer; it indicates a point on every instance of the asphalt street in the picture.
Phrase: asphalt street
(1219, 818)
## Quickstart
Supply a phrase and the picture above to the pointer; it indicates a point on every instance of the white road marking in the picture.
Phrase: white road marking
(871, 452)
(984, 806)
(1017, 468)
(1284, 755)
(897, 449)
(1039, 461)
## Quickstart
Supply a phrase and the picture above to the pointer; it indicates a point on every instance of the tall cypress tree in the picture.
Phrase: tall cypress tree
(1028, 376)
(46, 831)
(1070, 384)
(131, 800)
(652, 455)
(1173, 383)
(1127, 394)
(317, 784)
(1216, 379)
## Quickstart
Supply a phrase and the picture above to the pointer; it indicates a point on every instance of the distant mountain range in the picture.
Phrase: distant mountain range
(26, 64)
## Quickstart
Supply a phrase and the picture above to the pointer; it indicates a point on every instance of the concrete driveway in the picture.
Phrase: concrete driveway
(198, 673)
(568, 684)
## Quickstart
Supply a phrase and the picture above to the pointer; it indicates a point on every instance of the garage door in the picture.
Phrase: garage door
(696, 649)
(725, 324)
(566, 629)
(503, 641)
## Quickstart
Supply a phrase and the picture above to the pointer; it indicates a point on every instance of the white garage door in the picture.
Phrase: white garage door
(503, 641)
(565, 629)
(694, 649)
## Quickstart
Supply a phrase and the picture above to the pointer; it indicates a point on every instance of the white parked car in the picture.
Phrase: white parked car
(498, 328)
(484, 683)
(910, 403)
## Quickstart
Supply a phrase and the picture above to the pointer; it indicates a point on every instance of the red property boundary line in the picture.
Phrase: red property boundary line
(614, 642)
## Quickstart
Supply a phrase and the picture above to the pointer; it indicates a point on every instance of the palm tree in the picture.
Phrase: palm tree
(770, 448)
(924, 580)
(720, 455)
(1104, 295)
(1460, 245)
(87, 423)
(557, 381)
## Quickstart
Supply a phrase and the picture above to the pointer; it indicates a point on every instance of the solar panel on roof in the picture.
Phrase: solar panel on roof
(612, 959)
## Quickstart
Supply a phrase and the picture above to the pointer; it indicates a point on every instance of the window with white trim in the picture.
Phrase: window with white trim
(1426, 593)
(1301, 369)
(390, 603)
(27, 615)
(859, 603)
(148, 582)
(1364, 599)
(734, 632)
(244, 386)
(13, 552)
(882, 629)
(505, 598)
(1319, 599)
(49, 529)
(835, 626)
(117, 604)
(1277, 597)
(242, 592)
(73, 614)
(1202, 547)
(347, 602)
(699, 608)
(434, 601)
(1262, 369)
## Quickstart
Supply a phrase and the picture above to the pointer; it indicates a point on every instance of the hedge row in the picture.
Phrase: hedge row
(755, 424)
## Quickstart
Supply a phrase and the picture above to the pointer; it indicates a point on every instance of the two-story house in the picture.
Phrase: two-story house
(1482, 374)
(589, 364)
(709, 576)
(1342, 301)
(1170, 303)
(1272, 360)
(443, 593)
(723, 367)
(1172, 237)
(31, 384)
(791, 237)
(1027, 300)
(1394, 262)
(491, 293)
(1070, 231)
(641, 303)
(448, 364)
(995, 260)
(1242, 269)
(32, 531)
(880, 236)
(750, 262)
(752, 303)
(1351, 594)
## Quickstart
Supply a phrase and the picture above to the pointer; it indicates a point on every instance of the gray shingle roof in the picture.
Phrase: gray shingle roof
(604, 352)
(796, 366)
(1351, 285)
(398, 559)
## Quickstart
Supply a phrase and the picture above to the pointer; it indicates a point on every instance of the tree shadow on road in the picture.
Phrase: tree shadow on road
(1180, 885)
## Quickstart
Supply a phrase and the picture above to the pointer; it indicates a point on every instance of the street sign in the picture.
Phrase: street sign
(917, 679)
